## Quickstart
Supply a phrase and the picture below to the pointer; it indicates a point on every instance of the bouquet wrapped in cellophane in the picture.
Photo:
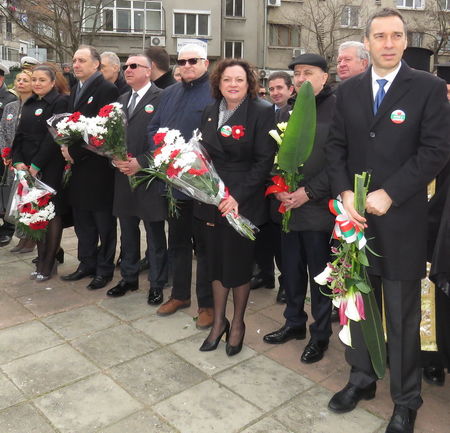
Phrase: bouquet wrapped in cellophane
(188, 167)
(30, 205)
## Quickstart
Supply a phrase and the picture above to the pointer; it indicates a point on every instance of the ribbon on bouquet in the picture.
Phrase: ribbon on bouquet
(279, 185)
(343, 227)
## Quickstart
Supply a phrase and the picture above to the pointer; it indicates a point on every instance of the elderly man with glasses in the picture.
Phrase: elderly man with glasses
(181, 108)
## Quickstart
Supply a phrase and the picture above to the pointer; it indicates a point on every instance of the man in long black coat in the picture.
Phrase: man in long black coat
(91, 185)
(145, 201)
(403, 141)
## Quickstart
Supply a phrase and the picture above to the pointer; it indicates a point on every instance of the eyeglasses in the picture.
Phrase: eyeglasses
(262, 93)
(133, 66)
(193, 61)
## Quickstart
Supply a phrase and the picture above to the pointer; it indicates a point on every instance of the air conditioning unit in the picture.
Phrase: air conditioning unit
(274, 3)
(158, 41)
(297, 52)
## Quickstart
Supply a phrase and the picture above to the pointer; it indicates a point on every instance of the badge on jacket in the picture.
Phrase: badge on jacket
(38, 112)
(149, 108)
(91, 98)
(10, 116)
(398, 116)
(225, 131)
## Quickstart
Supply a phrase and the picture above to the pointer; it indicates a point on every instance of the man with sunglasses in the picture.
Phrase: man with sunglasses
(181, 108)
(144, 202)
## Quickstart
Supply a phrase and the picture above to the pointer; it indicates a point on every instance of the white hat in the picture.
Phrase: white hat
(4, 68)
(28, 60)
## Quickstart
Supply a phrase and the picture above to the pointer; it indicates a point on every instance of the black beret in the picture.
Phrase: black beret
(310, 59)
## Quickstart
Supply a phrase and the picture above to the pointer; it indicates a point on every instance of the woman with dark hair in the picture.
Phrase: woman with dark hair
(236, 135)
(35, 150)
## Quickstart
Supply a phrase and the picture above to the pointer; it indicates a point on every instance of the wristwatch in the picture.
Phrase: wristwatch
(308, 192)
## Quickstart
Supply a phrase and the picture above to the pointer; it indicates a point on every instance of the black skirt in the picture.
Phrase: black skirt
(230, 256)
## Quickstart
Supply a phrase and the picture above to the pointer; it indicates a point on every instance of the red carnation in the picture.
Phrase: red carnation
(96, 142)
(172, 171)
(43, 201)
(159, 137)
(6, 152)
(67, 167)
(74, 117)
(237, 131)
(157, 151)
(197, 171)
(39, 225)
(174, 153)
(106, 110)
(26, 208)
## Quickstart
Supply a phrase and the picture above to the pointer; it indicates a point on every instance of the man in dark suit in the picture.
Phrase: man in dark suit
(91, 185)
(143, 203)
(393, 121)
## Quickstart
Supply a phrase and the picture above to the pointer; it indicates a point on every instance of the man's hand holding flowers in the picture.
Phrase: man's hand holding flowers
(295, 199)
(348, 198)
(378, 202)
(228, 205)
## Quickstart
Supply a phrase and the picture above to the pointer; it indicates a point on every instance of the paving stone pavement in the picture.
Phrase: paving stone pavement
(75, 361)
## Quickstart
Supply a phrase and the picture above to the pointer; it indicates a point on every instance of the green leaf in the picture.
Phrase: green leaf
(363, 287)
(298, 140)
(350, 282)
(362, 258)
(373, 334)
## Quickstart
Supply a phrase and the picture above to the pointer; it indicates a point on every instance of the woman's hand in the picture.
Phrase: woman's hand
(33, 171)
(66, 154)
(228, 205)
(21, 166)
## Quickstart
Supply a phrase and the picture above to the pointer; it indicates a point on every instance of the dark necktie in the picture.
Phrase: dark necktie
(380, 95)
(132, 104)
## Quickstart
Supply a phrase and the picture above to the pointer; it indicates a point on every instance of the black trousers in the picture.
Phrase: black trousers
(306, 253)
(268, 248)
(402, 307)
(130, 241)
(181, 231)
(90, 228)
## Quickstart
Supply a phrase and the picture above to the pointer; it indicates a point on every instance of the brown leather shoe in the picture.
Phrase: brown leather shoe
(205, 318)
(172, 306)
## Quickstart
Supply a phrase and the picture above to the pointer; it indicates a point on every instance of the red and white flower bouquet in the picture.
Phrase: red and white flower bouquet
(32, 206)
(188, 167)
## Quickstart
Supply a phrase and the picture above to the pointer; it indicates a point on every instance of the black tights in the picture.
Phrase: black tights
(240, 299)
(49, 246)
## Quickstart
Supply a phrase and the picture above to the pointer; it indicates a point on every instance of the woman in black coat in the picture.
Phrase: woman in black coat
(235, 133)
(35, 150)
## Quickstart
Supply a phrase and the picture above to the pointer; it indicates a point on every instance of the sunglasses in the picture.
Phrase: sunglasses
(133, 66)
(193, 61)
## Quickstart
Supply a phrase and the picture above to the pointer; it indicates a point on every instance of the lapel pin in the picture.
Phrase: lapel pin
(398, 116)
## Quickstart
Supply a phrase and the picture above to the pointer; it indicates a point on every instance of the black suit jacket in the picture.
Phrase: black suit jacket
(243, 164)
(403, 158)
(91, 185)
(143, 202)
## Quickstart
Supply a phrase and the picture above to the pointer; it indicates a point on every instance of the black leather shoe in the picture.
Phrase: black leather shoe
(78, 275)
(122, 288)
(257, 282)
(334, 315)
(98, 282)
(347, 399)
(314, 351)
(155, 296)
(5, 240)
(402, 420)
(281, 296)
(284, 334)
(434, 375)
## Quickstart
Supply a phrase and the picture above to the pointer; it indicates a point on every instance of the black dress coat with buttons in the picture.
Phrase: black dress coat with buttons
(91, 185)
(143, 202)
(33, 143)
(243, 164)
(404, 153)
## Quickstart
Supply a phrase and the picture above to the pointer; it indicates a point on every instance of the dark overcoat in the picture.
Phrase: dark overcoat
(33, 143)
(404, 146)
(91, 186)
(143, 202)
(243, 164)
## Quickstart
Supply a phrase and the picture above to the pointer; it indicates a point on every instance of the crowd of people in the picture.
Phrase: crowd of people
(356, 131)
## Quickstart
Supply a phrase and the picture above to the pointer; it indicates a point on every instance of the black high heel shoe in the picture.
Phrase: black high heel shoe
(208, 346)
(234, 350)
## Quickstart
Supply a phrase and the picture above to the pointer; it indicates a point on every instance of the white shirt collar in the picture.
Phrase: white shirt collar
(389, 77)
(141, 92)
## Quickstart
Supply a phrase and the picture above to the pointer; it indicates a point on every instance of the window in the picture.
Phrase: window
(415, 39)
(350, 16)
(444, 5)
(234, 8)
(234, 49)
(410, 4)
(191, 23)
(284, 36)
(124, 16)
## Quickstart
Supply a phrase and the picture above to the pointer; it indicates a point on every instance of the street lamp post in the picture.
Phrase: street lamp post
(145, 26)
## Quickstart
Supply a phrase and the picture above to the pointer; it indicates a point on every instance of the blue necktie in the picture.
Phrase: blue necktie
(380, 95)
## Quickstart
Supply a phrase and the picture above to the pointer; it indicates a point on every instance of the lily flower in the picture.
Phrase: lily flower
(345, 335)
(322, 278)
(355, 306)
(274, 134)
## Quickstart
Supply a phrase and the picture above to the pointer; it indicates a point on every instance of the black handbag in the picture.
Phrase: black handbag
(5, 191)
